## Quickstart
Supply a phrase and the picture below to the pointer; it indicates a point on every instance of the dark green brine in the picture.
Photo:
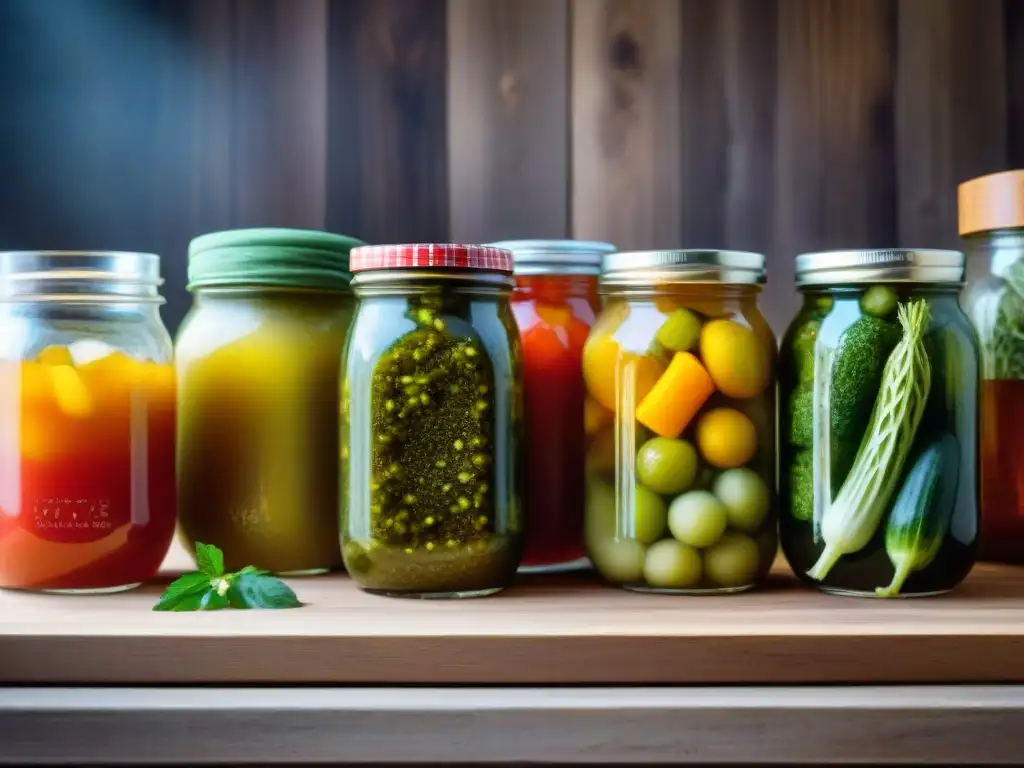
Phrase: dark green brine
(431, 439)
(879, 449)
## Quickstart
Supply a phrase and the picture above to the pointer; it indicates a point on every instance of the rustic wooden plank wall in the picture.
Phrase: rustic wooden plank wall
(774, 125)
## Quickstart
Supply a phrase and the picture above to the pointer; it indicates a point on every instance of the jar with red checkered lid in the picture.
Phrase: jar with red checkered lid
(431, 422)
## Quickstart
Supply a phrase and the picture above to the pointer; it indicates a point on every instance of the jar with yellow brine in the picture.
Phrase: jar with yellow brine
(432, 423)
(258, 360)
(681, 473)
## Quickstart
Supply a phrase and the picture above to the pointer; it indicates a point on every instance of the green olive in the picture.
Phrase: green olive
(667, 465)
(600, 509)
(697, 518)
(733, 561)
(672, 565)
(746, 497)
(680, 331)
(649, 515)
(620, 561)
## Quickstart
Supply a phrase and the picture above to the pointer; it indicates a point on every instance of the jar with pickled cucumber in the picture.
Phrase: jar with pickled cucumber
(679, 370)
(432, 423)
(87, 393)
(258, 359)
(879, 388)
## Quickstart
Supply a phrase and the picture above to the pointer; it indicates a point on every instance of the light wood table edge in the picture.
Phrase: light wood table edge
(923, 725)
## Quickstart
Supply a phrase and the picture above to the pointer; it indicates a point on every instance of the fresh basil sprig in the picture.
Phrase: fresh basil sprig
(210, 589)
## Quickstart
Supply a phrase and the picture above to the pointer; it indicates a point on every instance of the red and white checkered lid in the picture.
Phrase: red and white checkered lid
(430, 255)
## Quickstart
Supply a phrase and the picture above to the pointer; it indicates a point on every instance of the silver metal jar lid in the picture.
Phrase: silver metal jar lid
(889, 265)
(70, 275)
(556, 257)
(638, 268)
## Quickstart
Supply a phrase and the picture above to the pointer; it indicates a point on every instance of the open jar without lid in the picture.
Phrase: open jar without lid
(992, 226)
(555, 303)
(878, 446)
(87, 393)
(431, 422)
(680, 465)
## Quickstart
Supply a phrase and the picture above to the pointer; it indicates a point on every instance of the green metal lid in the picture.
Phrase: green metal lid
(296, 258)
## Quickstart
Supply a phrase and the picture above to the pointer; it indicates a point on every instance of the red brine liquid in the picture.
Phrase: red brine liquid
(554, 313)
(1002, 471)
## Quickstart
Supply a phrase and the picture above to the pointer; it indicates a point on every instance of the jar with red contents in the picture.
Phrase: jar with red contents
(555, 303)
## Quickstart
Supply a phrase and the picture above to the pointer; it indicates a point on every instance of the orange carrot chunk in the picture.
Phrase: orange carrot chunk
(676, 397)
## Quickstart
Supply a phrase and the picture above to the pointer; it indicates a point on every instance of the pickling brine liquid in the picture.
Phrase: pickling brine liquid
(1002, 470)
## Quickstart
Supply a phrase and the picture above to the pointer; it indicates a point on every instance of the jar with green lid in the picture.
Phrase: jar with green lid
(680, 471)
(879, 424)
(258, 359)
(432, 422)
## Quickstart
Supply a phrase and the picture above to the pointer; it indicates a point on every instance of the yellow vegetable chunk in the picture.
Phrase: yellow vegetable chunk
(70, 391)
(595, 416)
(607, 368)
(726, 438)
(739, 363)
(55, 355)
(676, 397)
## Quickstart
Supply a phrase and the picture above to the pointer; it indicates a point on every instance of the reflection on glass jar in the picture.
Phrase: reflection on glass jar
(87, 437)
(681, 456)
(555, 303)
(879, 451)
(992, 223)
(431, 422)
(258, 360)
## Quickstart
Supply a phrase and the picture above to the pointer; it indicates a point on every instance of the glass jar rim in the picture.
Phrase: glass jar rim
(80, 275)
(556, 257)
(681, 266)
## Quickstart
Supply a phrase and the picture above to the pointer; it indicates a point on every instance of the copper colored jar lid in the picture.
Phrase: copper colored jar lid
(991, 202)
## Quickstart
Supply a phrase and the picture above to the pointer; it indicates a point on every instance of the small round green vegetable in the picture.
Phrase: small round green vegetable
(746, 497)
(672, 565)
(680, 331)
(600, 509)
(697, 518)
(649, 515)
(733, 561)
(666, 465)
(879, 300)
(621, 561)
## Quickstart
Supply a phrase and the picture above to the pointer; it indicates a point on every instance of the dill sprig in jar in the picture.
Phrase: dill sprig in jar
(431, 421)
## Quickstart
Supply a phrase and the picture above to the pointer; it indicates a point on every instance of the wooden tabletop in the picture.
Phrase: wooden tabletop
(544, 631)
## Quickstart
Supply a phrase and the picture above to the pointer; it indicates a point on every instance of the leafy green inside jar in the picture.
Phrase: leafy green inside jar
(1006, 344)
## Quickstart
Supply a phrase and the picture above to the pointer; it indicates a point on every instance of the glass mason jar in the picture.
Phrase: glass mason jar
(879, 450)
(555, 303)
(431, 423)
(87, 435)
(258, 359)
(992, 225)
(681, 472)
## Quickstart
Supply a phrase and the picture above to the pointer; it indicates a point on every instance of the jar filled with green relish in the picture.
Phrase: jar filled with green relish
(431, 422)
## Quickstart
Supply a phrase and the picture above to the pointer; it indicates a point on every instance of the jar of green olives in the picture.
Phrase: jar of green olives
(680, 465)
(431, 422)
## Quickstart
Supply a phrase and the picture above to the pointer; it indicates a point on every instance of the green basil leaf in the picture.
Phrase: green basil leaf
(184, 591)
(254, 570)
(209, 559)
(213, 601)
(252, 590)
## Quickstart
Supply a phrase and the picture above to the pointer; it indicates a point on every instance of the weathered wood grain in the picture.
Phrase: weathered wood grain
(951, 111)
(627, 122)
(508, 119)
(387, 119)
(835, 131)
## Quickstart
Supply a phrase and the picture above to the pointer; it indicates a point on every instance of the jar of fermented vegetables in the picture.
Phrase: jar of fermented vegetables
(555, 303)
(681, 458)
(87, 395)
(432, 422)
(992, 225)
(258, 360)
(879, 446)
